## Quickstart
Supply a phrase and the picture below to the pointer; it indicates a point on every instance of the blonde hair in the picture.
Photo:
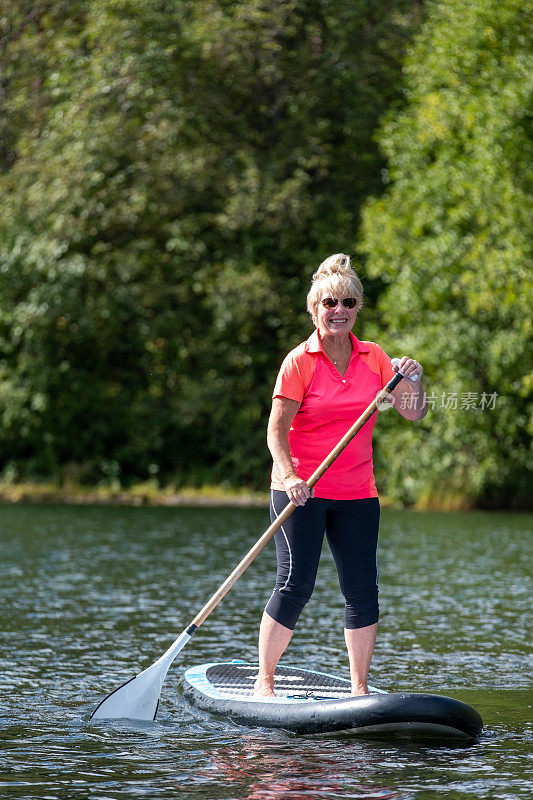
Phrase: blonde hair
(337, 278)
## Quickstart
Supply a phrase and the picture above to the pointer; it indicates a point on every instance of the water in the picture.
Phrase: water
(90, 596)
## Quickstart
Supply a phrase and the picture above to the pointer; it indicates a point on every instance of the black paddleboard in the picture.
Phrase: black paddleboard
(314, 702)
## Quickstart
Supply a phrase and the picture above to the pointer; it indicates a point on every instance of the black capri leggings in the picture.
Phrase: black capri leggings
(351, 527)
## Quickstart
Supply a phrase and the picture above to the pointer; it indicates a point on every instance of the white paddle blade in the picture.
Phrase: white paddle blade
(139, 697)
(136, 699)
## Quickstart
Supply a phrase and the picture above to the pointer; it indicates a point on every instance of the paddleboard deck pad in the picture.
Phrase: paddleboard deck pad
(315, 702)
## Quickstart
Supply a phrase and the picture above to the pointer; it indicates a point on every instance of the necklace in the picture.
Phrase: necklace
(339, 358)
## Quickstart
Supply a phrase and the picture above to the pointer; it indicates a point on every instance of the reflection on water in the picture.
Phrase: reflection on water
(89, 596)
(272, 770)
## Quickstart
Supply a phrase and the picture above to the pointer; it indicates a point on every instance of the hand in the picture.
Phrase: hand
(409, 368)
(297, 490)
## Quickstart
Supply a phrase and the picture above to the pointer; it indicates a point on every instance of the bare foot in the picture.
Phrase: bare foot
(263, 689)
(359, 691)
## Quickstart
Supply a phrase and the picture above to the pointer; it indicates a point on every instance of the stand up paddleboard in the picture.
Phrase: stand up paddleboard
(314, 702)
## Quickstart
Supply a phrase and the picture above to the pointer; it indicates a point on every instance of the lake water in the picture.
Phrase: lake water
(92, 595)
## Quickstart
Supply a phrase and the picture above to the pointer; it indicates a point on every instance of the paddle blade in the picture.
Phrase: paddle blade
(136, 699)
(139, 697)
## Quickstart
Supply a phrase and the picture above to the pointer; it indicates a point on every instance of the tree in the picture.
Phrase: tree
(451, 238)
(191, 163)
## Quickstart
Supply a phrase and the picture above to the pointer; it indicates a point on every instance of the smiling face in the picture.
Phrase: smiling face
(337, 321)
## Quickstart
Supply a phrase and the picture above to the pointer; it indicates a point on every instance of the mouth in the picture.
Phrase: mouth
(338, 320)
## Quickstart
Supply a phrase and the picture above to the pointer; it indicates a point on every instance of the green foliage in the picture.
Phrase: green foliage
(451, 237)
(172, 173)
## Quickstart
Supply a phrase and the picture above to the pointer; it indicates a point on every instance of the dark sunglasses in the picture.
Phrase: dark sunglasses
(348, 302)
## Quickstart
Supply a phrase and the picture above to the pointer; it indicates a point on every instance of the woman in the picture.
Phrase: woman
(323, 385)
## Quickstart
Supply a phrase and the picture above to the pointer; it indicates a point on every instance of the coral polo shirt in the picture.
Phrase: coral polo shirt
(330, 404)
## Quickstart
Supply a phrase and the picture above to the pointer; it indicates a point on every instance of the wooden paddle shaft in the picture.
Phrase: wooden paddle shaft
(287, 511)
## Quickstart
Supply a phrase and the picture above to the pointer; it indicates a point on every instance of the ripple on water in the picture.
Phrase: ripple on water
(91, 596)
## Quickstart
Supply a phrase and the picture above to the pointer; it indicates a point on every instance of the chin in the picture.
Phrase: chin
(339, 331)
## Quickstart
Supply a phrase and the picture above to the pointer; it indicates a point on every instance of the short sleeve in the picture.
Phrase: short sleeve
(378, 361)
(294, 376)
(385, 365)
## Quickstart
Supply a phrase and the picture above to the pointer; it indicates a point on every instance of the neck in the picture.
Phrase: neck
(336, 346)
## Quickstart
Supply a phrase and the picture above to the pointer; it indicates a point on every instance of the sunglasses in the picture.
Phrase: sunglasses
(348, 302)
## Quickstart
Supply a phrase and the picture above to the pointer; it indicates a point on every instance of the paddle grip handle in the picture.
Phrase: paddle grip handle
(396, 362)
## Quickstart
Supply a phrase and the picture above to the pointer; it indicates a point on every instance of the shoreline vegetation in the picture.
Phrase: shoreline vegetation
(150, 493)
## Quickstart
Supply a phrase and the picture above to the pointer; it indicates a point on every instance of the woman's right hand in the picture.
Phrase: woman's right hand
(297, 490)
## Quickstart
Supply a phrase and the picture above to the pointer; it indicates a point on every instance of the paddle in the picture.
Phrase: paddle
(139, 697)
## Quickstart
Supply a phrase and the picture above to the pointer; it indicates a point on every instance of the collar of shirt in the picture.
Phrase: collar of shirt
(314, 344)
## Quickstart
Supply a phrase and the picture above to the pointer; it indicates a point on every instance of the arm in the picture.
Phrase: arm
(416, 407)
(279, 425)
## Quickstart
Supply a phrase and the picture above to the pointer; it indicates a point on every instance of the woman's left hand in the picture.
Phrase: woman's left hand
(409, 369)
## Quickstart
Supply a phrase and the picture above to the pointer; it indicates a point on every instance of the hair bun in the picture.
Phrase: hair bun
(337, 264)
